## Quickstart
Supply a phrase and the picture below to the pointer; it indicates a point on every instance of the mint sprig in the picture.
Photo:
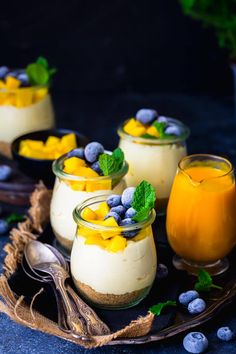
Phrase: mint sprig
(40, 73)
(14, 217)
(160, 127)
(110, 164)
(156, 309)
(205, 282)
(143, 201)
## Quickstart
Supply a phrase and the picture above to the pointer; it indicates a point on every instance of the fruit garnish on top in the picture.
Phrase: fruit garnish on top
(120, 211)
(90, 162)
(51, 149)
(147, 124)
(23, 87)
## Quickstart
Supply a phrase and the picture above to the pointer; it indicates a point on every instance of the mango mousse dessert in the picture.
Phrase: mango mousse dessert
(113, 259)
(153, 146)
(25, 102)
(81, 174)
(51, 149)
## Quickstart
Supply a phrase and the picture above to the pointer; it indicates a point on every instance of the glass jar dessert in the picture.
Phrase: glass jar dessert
(75, 183)
(113, 264)
(201, 224)
(153, 149)
(25, 106)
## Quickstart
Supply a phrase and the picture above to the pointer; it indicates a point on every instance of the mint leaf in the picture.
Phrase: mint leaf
(15, 218)
(110, 164)
(119, 156)
(205, 282)
(148, 136)
(160, 127)
(37, 74)
(156, 309)
(144, 196)
(141, 215)
(42, 61)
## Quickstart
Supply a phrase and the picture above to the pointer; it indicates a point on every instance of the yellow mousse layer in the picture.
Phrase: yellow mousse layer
(111, 240)
(135, 128)
(78, 167)
(53, 148)
(11, 94)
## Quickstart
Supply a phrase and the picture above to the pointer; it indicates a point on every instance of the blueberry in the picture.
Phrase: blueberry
(113, 200)
(114, 215)
(225, 334)
(173, 130)
(187, 297)
(130, 213)
(119, 209)
(92, 151)
(5, 172)
(96, 167)
(162, 119)
(24, 79)
(146, 115)
(127, 222)
(12, 74)
(195, 342)
(78, 152)
(127, 197)
(162, 271)
(196, 306)
(4, 227)
(3, 71)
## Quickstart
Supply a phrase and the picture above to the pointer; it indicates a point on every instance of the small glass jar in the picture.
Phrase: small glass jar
(105, 275)
(70, 190)
(24, 110)
(154, 160)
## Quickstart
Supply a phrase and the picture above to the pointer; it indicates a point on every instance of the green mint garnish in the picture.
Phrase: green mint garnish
(39, 72)
(15, 218)
(156, 309)
(148, 136)
(160, 127)
(205, 282)
(143, 201)
(110, 164)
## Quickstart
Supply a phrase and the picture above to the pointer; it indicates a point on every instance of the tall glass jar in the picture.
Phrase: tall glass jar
(24, 110)
(154, 160)
(70, 190)
(108, 276)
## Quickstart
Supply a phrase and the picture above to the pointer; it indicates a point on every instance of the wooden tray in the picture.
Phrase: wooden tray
(171, 322)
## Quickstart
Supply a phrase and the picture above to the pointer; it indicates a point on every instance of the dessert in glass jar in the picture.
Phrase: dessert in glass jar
(82, 174)
(25, 102)
(113, 259)
(153, 146)
(201, 225)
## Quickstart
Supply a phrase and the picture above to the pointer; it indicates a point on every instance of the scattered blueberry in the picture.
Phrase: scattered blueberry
(196, 306)
(92, 151)
(3, 71)
(119, 209)
(195, 342)
(187, 297)
(113, 200)
(5, 172)
(225, 334)
(162, 271)
(4, 227)
(146, 115)
(78, 152)
(173, 130)
(130, 213)
(96, 167)
(24, 79)
(127, 197)
(162, 119)
(114, 215)
(128, 222)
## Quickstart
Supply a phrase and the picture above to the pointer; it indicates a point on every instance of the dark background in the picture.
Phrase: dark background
(115, 46)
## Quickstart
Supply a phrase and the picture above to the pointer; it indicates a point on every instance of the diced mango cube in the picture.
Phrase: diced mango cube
(69, 141)
(24, 97)
(138, 131)
(12, 83)
(110, 222)
(85, 172)
(73, 164)
(76, 185)
(88, 214)
(117, 243)
(95, 239)
(92, 186)
(102, 210)
(2, 84)
(153, 131)
(109, 233)
(52, 140)
(39, 94)
(131, 124)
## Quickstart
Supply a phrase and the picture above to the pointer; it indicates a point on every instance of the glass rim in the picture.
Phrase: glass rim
(210, 156)
(58, 171)
(102, 198)
(157, 141)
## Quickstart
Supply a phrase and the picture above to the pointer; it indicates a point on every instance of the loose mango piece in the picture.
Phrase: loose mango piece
(73, 164)
(12, 83)
(88, 214)
(102, 211)
(153, 131)
(92, 186)
(117, 243)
